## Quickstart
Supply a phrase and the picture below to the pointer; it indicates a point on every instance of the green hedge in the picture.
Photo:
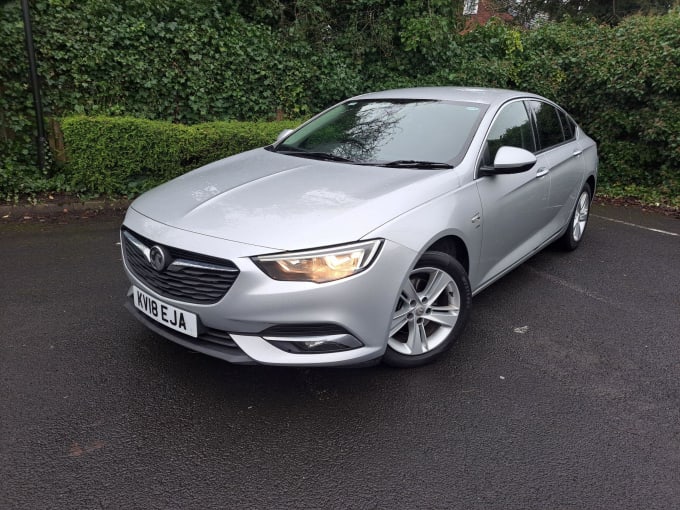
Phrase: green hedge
(194, 61)
(124, 155)
(623, 86)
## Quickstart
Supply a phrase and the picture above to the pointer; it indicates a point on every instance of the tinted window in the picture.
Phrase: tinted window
(548, 125)
(567, 125)
(511, 127)
(386, 130)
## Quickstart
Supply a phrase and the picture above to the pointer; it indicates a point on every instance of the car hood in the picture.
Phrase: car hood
(286, 203)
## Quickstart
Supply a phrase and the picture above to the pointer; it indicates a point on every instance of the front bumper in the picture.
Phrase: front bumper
(244, 326)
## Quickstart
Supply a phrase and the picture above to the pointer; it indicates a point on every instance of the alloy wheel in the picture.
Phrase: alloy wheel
(580, 216)
(427, 311)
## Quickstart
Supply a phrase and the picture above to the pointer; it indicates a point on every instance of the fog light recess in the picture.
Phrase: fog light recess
(315, 345)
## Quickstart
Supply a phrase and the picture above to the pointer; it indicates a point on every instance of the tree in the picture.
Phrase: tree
(607, 11)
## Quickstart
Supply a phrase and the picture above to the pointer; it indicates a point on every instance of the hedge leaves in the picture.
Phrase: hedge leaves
(196, 61)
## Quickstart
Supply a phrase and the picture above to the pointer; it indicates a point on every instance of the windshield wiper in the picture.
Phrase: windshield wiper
(326, 156)
(411, 163)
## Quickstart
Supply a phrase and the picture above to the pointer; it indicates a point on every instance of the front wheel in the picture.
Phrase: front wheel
(431, 312)
(579, 220)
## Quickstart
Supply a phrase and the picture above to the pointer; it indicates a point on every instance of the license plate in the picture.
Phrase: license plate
(174, 318)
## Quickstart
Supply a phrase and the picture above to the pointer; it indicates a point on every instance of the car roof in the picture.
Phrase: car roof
(466, 94)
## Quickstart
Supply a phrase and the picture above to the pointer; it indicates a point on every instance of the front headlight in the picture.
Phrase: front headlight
(320, 266)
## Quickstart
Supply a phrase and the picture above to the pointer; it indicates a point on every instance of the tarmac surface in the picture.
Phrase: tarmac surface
(564, 392)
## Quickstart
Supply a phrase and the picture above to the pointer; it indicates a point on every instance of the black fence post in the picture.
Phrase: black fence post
(35, 85)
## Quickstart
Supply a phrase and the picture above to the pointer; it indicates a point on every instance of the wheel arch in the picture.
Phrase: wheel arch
(591, 182)
(454, 246)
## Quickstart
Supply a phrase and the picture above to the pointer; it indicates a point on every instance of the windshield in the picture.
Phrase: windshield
(384, 131)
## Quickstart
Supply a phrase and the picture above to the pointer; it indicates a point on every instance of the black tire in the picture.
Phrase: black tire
(431, 313)
(578, 221)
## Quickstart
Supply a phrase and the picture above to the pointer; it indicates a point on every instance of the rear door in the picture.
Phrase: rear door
(562, 157)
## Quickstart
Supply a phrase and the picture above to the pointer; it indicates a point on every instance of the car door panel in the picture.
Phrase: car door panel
(514, 218)
(515, 206)
(566, 173)
(556, 136)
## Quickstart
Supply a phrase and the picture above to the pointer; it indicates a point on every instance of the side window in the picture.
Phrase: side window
(548, 124)
(511, 127)
(567, 125)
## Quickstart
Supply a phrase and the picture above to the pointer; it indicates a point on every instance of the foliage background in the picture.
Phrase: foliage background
(196, 61)
(131, 155)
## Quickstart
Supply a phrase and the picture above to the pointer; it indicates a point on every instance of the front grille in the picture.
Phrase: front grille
(189, 277)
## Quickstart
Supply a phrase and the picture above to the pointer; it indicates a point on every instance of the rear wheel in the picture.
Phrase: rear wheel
(432, 310)
(579, 220)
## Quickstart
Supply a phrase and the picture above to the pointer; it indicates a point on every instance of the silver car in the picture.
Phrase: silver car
(363, 234)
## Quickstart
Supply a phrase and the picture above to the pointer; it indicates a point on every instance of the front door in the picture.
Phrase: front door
(516, 206)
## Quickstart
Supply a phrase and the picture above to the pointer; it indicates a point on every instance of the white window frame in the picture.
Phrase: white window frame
(470, 7)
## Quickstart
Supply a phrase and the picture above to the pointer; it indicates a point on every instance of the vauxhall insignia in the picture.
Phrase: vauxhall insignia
(157, 258)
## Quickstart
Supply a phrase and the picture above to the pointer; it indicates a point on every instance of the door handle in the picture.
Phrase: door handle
(577, 153)
(542, 171)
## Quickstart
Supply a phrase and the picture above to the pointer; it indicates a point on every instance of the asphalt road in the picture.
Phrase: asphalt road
(564, 392)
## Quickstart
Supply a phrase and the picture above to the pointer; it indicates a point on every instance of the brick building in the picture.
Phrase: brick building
(479, 12)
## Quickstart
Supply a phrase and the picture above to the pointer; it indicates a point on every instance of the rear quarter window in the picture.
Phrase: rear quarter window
(568, 125)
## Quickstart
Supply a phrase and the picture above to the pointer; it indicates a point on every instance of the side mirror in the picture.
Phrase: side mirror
(510, 160)
(283, 134)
